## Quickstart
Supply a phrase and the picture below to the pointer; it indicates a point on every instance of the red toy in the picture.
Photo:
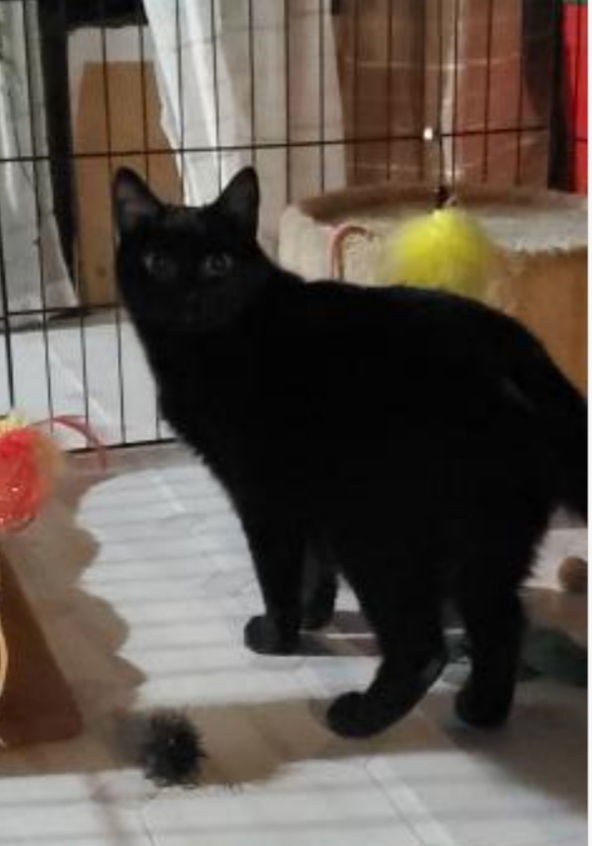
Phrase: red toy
(30, 465)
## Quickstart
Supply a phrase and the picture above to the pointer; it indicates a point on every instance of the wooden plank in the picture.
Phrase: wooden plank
(127, 128)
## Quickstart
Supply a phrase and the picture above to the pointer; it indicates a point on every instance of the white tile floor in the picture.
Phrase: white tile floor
(142, 582)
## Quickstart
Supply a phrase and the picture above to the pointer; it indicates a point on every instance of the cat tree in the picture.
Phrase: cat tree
(541, 267)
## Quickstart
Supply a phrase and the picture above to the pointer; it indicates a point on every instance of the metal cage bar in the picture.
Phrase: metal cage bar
(335, 24)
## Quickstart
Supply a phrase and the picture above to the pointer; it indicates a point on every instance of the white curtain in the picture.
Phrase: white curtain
(35, 271)
(237, 73)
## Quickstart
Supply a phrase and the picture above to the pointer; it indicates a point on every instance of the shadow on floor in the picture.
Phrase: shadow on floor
(84, 633)
(543, 747)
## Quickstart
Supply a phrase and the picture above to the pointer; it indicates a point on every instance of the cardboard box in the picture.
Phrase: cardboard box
(117, 123)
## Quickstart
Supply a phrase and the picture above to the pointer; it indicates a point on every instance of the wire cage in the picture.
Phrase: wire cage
(317, 94)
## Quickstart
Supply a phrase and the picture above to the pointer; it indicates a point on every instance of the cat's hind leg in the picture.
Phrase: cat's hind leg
(403, 607)
(493, 620)
(494, 563)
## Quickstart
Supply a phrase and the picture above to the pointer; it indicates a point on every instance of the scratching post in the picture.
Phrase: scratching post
(36, 705)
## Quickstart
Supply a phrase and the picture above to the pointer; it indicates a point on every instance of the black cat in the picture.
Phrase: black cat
(415, 442)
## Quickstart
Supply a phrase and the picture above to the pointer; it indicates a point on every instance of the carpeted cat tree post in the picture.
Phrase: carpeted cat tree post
(36, 705)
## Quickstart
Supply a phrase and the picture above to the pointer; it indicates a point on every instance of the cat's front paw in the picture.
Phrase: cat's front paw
(362, 714)
(263, 636)
(346, 716)
(359, 715)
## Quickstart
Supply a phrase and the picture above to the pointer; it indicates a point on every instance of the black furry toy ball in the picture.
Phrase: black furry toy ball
(169, 749)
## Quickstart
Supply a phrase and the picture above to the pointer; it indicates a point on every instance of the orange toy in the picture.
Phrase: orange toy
(30, 463)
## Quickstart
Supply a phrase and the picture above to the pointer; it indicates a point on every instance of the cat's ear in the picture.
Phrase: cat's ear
(240, 201)
(133, 201)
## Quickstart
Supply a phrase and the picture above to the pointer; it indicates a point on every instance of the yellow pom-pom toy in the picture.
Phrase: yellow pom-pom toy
(445, 249)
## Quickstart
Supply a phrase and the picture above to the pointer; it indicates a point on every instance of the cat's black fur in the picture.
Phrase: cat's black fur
(415, 442)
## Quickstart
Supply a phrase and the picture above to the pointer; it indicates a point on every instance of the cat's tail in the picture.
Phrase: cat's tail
(561, 413)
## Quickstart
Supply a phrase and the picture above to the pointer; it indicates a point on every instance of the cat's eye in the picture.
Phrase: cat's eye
(217, 264)
(160, 265)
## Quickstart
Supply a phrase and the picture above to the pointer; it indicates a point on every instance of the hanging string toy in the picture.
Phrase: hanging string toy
(446, 248)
